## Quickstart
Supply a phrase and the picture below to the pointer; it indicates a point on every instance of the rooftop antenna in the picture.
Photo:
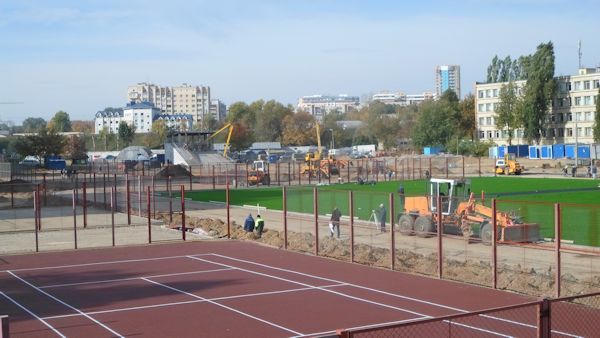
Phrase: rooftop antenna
(579, 52)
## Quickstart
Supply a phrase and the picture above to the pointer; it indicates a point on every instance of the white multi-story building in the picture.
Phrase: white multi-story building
(569, 119)
(447, 77)
(401, 99)
(319, 105)
(140, 115)
(108, 120)
(184, 99)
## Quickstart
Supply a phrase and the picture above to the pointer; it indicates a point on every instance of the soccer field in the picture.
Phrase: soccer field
(530, 198)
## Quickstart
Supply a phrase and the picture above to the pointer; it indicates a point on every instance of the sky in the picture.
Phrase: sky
(80, 56)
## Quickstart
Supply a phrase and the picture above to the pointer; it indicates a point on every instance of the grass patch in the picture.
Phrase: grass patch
(580, 216)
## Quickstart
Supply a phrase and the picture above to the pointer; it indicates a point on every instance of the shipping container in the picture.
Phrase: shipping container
(558, 151)
(534, 152)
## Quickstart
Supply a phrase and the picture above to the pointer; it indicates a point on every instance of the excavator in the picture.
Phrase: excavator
(461, 215)
(315, 163)
(226, 148)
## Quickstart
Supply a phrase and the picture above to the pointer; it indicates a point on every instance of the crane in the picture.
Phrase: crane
(230, 126)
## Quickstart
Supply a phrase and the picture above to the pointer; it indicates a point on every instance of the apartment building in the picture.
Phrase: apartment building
(140, 115)
(218, 109)
(402, 99)
(184, 99)
(320, 105)
(447, 77)
(569, 119)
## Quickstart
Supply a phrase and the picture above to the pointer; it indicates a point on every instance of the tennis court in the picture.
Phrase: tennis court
(233, 289)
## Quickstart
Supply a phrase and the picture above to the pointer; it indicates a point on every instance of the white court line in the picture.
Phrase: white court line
(386, 293)
(32, 314)
(67, 305)
(423, 316)
(131, 278)
(316, 288)
(224, 306)
(143, 307)
(100, 263)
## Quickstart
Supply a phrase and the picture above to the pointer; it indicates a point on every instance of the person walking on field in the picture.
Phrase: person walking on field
(259, 224)
(249, 224)
(334, 222)
(382, 217)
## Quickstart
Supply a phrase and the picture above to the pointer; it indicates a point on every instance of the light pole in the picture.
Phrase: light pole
(576, 144)
(332, 139)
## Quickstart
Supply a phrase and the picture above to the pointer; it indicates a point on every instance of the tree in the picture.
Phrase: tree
(467, 112)
(242, 137)
(507, 110)
(75, 148)
(597, 119)
(33, 124)
(126, 133)
(434, 126)
(104, 134)
(539, 90)
(45, 143)
(269, 126)
(241, 112)
(86, 127)
(298, 129)
(159, 131)
(61, 122)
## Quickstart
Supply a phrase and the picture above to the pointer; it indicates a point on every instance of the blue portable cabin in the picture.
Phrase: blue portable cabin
(546, 152)
(55, 163)
(570, 151)
(522, 150)
(534, 152)
(432, 150)
(558, 151)
(493, 152)
(583, 151)
(501, 151)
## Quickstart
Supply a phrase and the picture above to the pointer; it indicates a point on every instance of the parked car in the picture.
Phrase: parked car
(30, 161)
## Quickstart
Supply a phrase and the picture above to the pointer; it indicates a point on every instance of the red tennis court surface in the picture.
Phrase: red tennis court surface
(227, 289)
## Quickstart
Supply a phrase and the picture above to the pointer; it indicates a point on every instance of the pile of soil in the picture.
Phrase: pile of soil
(173, 171)
(513, 278)
(16, 186)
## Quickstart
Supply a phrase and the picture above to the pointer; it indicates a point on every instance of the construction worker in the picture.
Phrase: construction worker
(334, 222)
(259, 224)
(382, 217)
(249, 224)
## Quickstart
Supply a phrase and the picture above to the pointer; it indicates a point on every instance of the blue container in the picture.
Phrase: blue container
(512, 150)
(570, 151)
(493, 152)
(501, 151)
(583, 151)
(546, 152)
(432, 150)
(558, 151)
(534, 152)
(522, 150)
(56, 163)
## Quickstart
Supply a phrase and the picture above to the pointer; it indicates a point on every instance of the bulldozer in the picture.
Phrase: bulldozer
(461, 215)
(258, 174)
(508, 166)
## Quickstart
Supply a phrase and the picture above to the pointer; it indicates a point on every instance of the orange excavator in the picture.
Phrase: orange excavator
(461, 215)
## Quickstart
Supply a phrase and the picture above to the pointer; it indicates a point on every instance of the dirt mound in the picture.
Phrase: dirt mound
(173, 171)
(16, 186)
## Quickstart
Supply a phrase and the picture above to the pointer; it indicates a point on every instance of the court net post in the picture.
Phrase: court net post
(5, 333)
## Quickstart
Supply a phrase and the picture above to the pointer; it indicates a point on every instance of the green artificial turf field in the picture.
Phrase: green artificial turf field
(514, 194)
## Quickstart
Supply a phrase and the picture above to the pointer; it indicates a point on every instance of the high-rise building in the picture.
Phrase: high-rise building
(319, 105)
(447, 77)
(569, 118)
(184, 99)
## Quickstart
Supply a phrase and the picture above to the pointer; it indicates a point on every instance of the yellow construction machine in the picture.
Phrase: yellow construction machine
(315, 163)
(508, 166)
(226, 148)
(258, 174)
(461, 215)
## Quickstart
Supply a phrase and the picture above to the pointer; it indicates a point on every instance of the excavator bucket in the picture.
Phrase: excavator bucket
(526, 232)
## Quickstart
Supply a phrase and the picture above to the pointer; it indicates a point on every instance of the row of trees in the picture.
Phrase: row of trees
(527, 107)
